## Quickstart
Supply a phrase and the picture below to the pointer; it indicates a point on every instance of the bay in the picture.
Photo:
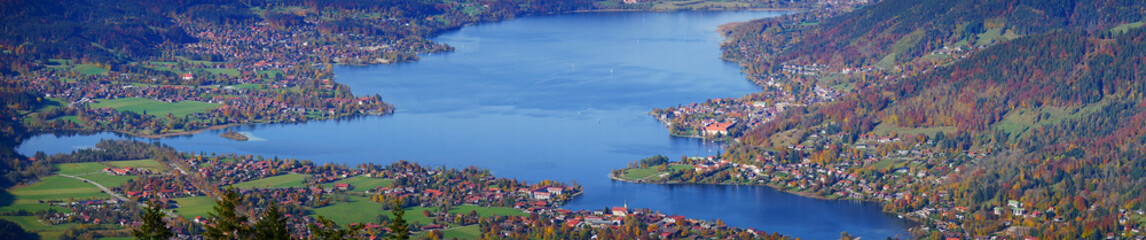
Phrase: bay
(561, 97)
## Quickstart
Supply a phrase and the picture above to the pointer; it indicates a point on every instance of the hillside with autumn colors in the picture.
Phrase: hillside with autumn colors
(985, 118)
(903, 31)
(1061, 113)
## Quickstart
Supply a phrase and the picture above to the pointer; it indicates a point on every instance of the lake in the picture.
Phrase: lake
(552, 97)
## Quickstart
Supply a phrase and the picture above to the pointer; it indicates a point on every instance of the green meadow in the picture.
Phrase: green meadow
(79, 168)
(357, 210)
(285, 180)
(89, 69)
(363, 183)
(154, 107)
(149, 164)
(189, 207)
(57, 188)
(487, 211)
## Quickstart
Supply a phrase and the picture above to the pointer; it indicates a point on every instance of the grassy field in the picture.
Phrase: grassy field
(198, 62)
(56, 188)
(79, 168)
(487, 211)
(679, 167)
(271, 73)
(996, 35)
(901, 47)
(363, 183)
(885, 163)
(74, 119)
(414, 215)
(153, 107)
(225, 71)
(1017, 122)
(149, 164)
(1126, 27)
(92, 170)
(108, 180)
(883, 129)
(358, 210)
(285, 180)
(57, 63)
(467, 232)
(33, 206)
(46, 231)
(49, 104)
(784, 139)
(695, 5)
(189, 207)
(161, 66)
(248, 86)
(362, 210)
(89, 69)
(639, 173)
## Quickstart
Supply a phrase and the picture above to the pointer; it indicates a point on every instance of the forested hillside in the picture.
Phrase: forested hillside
(1060, 116)
(977, 118)
(902, 31)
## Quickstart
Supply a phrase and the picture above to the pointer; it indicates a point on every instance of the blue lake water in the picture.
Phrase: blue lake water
(552, 97)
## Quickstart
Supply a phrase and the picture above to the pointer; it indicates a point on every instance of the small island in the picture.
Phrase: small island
(234, 136)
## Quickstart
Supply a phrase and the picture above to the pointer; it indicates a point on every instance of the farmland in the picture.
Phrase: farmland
(153, 107)
(149, 164)
(189, 207)
(56, 188)
(362, 183)
(285, 180)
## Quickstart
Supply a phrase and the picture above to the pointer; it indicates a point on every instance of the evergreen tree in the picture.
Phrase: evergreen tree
(153, 227)
(331, 231)
(400, 231)
(226, 223)
(272, 226)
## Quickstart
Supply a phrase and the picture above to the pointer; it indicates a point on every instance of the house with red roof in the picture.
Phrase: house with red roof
(620, 211)
(718, 128)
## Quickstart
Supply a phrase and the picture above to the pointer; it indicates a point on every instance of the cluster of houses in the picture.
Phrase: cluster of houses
(615, 218)
(284, 48)
(916, 166)
(127, 171)
(97, 211)
(247, 169)
(162, 189)
(737, 112)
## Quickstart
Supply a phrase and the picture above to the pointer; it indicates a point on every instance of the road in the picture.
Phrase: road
(113, 194)
(100, 186)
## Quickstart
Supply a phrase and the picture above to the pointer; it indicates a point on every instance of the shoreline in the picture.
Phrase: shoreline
(614, 10)
(216, 127)
(192, 132)
(773, 186)
(911, 219)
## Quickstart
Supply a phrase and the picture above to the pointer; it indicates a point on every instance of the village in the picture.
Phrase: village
(437, 200)
(891, 170)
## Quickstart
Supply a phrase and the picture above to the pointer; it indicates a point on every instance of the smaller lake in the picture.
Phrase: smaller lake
(554, 97)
